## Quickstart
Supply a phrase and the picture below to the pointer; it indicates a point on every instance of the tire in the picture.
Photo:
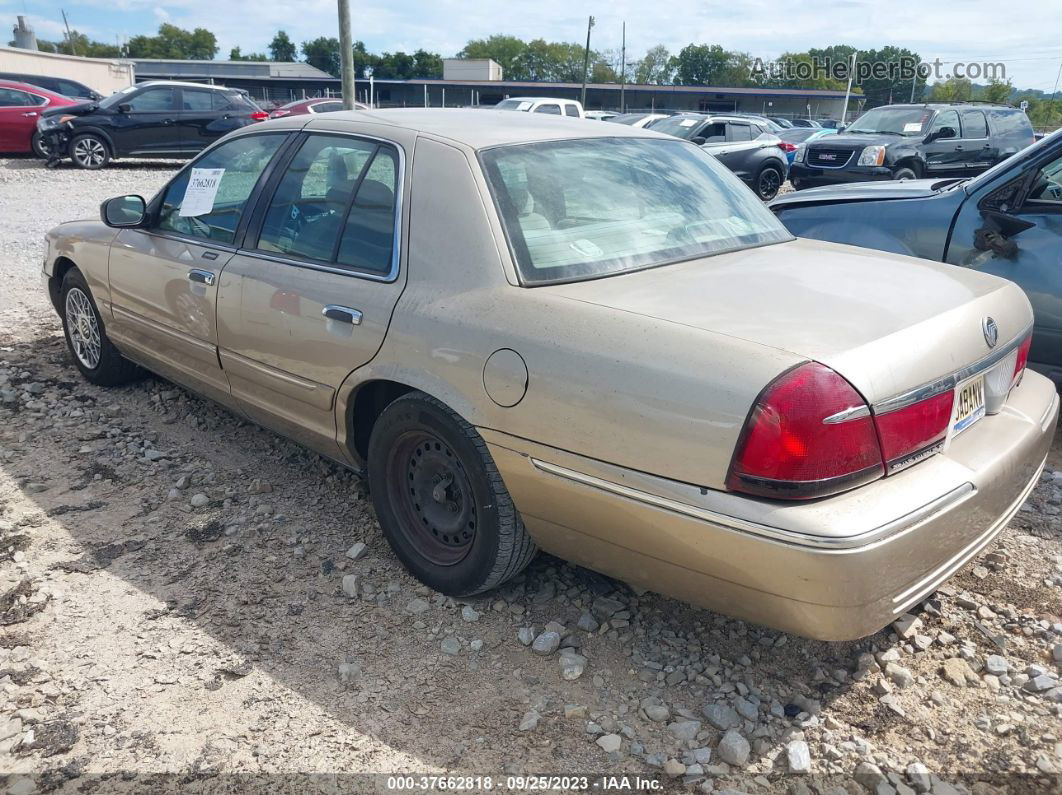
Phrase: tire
(905, 172)
(86, 339)
(768, 180)
(89, 151)
(40, 149)
(440, 501)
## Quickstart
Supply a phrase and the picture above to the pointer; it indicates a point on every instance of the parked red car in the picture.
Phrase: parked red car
(316, 105)
(20, 106)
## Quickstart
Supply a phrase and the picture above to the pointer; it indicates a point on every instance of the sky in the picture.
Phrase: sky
(1028, 41)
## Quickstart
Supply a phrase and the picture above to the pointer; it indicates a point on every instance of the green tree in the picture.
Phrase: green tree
(655, 67)
(236, 55)
(804, 70)
(174, 42)
(506, 50)
(323, 53)
(997, 91)
(427, 64)
(281, 48)
(894, 79)
(954, 89)
(81, 45)
(701, 64)
(394, 66)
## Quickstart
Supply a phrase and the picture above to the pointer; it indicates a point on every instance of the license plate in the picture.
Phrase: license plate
(969, 404)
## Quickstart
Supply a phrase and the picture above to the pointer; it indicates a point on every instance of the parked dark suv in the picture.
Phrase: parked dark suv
(744, 144)
(57, 85)
(154, 119)
(914, 142)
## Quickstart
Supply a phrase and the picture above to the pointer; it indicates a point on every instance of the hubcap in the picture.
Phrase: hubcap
(769, 183)
(82, 329)
(89, 152)
(432, 497)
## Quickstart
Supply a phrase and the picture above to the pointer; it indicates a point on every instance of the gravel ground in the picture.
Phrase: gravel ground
(176, 613)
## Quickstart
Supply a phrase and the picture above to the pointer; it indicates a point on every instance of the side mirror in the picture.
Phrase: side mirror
(941, 132)
(698, 139)
(124, 212)
(125, 107)
(841, 128)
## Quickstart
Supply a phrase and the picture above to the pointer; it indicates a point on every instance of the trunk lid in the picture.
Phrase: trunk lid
(886, 322)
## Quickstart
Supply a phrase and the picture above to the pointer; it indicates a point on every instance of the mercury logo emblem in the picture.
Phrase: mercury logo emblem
(991, 330)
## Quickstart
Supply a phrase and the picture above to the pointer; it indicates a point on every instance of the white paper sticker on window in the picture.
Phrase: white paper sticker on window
(523, 106)
(687, 122)
(201, 191)
(912, 126)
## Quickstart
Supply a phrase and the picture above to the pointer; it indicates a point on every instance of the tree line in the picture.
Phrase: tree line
(538, 59)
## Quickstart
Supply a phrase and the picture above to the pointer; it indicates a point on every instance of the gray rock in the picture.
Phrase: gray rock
(799, 757)
(350, 585)
(610, 742)
(674, 767)
(526, 635)
(348, 672)
(918, 775)
(469, 614)
(870, 776)
(417, 606)
(996, 664)
(1040, 683)
(746, 709)
(684, 729)
(658, 713)
(572, 665)
(200, 500)
(722, 717)
(154, 455)
(906, 626)
(530, 721)
(733, 748)
(899, 675)
(604, 608)
(587, 622)
(476, 645)
(451, 645)
(546, 643)
(357, 552)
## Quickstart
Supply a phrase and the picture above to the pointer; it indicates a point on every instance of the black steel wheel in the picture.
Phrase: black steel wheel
(440, 500)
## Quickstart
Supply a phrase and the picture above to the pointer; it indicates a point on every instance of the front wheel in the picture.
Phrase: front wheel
(440, 500)
(768, 181)
(94, 354)
(89, 151)
(906, 172)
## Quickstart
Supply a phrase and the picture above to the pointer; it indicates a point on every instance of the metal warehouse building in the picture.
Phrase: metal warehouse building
(282, 82)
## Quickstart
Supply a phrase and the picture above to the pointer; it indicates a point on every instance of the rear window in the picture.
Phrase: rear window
(576, 210)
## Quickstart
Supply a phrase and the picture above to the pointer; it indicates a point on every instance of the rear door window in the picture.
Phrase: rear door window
(974, 124)
(197, 101)
(571, 110)
(309, 209)
(738, 132)
(549, 108)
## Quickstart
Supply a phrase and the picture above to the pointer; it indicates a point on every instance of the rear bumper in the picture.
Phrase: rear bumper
(836, 569)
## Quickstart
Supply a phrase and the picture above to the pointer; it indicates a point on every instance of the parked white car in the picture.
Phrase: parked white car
(552, 105)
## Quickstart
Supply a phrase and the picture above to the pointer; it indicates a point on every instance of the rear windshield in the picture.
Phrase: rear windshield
(575, 210)
(895, 121)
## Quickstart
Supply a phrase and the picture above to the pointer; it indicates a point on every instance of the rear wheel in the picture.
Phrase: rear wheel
(768, 181)
(440, 501)
(94, 354)
(89, 151)
(40, 146)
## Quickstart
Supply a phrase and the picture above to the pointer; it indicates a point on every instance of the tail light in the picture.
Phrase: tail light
(259, 115)
(809, 434)
(910, 433)
(787, 147)
(1021, 361)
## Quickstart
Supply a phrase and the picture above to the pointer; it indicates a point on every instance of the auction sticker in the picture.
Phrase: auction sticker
(201, 191)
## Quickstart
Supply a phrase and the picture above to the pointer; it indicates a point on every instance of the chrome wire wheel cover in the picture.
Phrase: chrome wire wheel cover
(82, 329)
(89, 152)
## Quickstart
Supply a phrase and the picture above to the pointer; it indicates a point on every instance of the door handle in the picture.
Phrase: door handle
(31, 113)
(344, 314)
(202, 277)
(958, 148)
(167, 121)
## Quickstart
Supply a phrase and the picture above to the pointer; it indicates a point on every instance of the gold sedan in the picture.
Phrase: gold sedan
(534, 332)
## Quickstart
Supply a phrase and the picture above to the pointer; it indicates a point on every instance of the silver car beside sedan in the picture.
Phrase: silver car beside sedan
(530, 332)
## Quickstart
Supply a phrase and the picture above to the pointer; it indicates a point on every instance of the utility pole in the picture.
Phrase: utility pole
(623, 71)
(69, 36)
(586, 61)
(346, 55)
(848, 91)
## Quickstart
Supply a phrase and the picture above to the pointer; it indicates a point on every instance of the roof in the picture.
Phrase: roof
(269, 70)
(186, 84)
(652, 88)
(478, 129)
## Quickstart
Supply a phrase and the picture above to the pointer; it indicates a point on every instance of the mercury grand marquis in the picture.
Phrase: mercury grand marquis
(538, 333)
